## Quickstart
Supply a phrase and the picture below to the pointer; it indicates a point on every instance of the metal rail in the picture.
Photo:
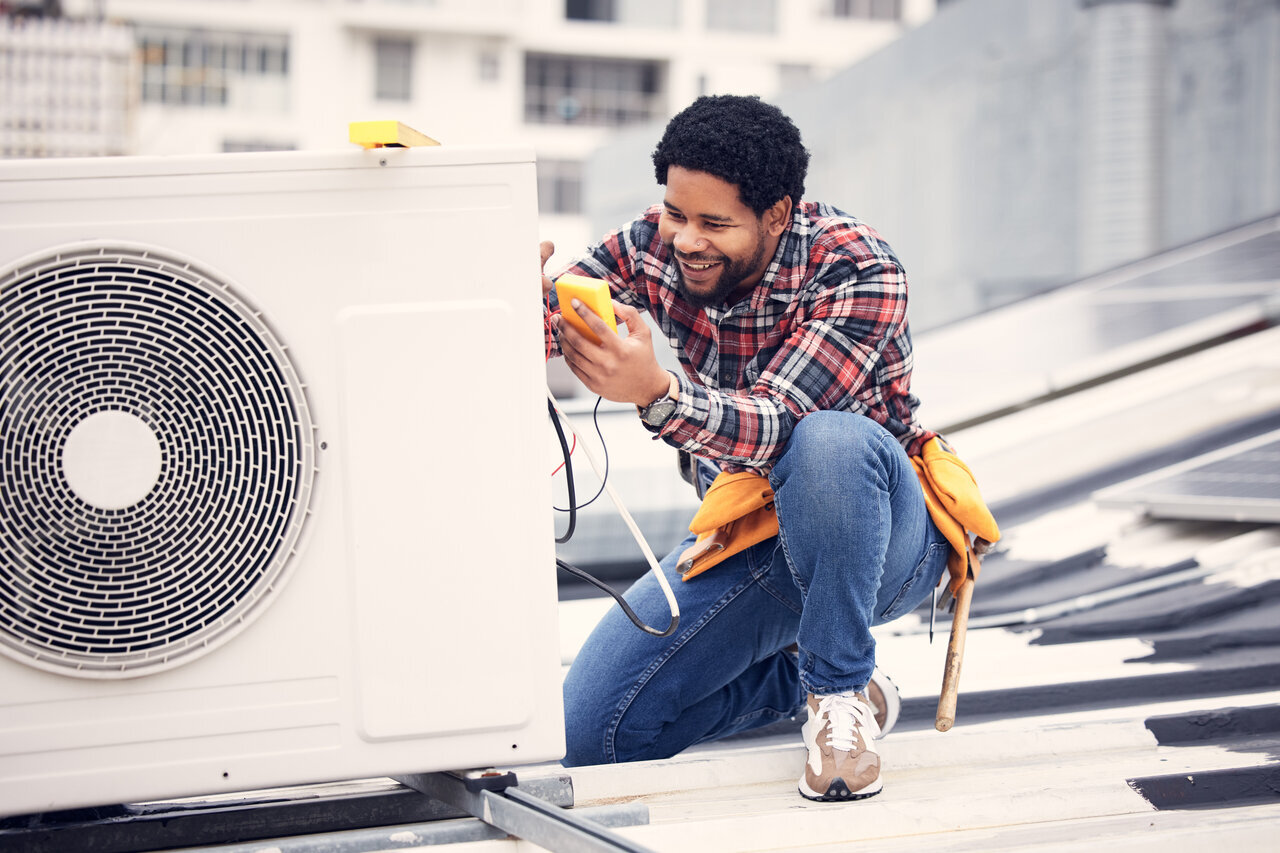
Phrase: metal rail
(494, 798)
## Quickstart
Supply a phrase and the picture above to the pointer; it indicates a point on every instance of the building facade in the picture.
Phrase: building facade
(1007, 147)
(558, 75)
(67, 88)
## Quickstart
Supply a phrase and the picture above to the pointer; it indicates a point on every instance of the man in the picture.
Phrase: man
(789, 321)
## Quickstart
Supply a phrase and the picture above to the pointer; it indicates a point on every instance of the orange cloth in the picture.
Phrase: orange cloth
(737, 512)
(956, 506)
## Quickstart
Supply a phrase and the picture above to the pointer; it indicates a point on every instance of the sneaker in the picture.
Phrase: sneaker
(839, 735)
(885, 700)
(882, 694)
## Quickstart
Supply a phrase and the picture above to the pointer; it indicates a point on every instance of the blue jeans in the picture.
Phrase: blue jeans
(857, 548)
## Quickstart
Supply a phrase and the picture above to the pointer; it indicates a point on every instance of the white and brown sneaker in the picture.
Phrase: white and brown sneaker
(882, 694)
(840, 737)
(885, 701)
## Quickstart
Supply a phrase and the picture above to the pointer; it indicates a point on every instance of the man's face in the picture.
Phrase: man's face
(721, 247)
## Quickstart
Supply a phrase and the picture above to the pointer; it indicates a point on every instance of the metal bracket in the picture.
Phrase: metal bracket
(495, 798)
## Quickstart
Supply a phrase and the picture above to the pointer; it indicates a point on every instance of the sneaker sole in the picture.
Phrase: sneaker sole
(838, 792)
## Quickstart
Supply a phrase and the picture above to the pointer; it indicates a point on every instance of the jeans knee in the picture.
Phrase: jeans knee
(582, 747)
(585, 726)
(606, 732)
(593, 737)
(821, 440)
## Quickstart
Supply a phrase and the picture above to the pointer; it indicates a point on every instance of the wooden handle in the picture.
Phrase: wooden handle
(946, 716)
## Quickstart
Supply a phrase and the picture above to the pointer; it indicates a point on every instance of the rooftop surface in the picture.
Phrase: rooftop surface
(1121, 683)
(1122, 671)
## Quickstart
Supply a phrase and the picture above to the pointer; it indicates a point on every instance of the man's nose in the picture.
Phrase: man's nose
(689, 241)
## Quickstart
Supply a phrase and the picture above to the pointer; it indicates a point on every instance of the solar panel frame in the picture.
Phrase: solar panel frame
(1240, 482)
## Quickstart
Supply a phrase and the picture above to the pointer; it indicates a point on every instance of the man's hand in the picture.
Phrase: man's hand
(623, 370)
(547, 249)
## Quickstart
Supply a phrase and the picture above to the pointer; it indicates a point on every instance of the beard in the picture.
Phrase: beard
(732, 274)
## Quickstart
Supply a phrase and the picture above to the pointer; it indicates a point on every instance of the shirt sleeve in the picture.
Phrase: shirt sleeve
(615, 259)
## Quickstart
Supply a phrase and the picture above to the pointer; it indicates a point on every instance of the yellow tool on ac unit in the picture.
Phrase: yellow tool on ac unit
(386, 134)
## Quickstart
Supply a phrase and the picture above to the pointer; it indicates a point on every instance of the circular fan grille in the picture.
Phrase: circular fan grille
(158, 461)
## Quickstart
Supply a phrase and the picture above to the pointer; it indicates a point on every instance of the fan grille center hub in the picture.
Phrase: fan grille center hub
(111, 459)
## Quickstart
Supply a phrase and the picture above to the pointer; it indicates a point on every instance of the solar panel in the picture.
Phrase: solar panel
(1100, 326)
(1237, 483)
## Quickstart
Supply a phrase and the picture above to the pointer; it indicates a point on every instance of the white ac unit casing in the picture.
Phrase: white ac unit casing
(297, 401)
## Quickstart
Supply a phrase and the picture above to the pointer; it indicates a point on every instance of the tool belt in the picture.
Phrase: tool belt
(737, 512)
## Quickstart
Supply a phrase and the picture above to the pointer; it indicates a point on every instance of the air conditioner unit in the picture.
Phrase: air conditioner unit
(275, 498)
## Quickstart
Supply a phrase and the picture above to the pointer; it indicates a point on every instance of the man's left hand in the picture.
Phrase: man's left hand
(620, 369)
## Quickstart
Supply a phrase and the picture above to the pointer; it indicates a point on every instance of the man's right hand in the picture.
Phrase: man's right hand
(547, 249)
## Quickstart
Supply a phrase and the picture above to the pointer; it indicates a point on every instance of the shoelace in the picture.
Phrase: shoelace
(846, 713)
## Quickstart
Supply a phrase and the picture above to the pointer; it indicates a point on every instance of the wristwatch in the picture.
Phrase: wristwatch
(657, 413)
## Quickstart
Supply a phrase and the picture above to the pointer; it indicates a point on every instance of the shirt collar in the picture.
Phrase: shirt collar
(784, 277)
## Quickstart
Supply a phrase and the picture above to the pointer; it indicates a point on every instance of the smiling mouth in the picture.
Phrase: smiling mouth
(698, 266)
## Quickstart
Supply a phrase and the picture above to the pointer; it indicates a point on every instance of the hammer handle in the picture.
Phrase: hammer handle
(946, 716)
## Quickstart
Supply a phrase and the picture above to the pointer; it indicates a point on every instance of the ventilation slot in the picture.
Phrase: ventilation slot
(158, 461)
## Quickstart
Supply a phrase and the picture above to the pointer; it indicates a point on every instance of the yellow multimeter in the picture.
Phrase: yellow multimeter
(591, 292)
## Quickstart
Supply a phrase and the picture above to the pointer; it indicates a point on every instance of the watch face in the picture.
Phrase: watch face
(659, 412)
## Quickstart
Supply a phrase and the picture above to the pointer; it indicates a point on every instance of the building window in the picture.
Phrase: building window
(591, 10)
(238, 146)
(872, 10)
(560, 186)
(590, 91)
(488, 66)
(744, 16)
(792, 75)
(67, 89)
(650, 14)
(202, 67)
(393, 69)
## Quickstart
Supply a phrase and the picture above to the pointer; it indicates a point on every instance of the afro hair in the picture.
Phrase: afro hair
(739, 139)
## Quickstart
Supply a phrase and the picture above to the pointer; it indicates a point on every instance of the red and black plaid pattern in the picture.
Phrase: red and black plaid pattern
(825, 329)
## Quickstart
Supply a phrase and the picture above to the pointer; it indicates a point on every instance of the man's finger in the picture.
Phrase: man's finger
(546, 249)
(593, 320)
(630, 317)
(569, 338)
(579, 360)
(576, 370)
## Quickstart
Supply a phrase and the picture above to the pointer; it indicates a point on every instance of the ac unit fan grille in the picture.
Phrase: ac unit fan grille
(118, 588)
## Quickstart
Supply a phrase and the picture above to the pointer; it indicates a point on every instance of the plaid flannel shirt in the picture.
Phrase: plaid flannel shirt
(826, 328)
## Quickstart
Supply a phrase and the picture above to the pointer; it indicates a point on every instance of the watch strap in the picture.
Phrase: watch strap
(667, 400)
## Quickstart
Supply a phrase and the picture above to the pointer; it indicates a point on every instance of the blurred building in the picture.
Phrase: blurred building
(67, 87)
(560, 75)
(1007, 147)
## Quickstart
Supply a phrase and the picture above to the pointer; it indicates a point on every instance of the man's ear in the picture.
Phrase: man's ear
(778, 216)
